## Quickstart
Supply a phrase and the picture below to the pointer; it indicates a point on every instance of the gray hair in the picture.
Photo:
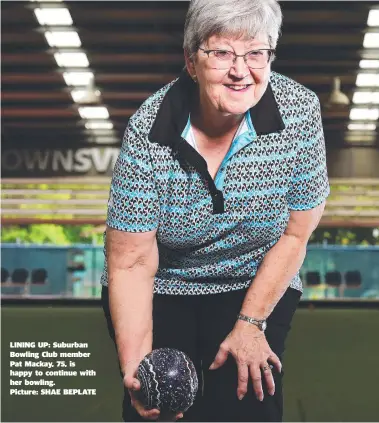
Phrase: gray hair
(232, 18)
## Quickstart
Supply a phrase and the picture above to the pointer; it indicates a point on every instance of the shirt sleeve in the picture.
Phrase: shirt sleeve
(133, 203)
(310, 186)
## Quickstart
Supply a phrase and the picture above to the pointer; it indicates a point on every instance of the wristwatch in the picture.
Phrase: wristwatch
(261, 324)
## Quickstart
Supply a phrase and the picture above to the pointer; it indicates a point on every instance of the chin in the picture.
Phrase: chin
(233, 107)
(236, 110)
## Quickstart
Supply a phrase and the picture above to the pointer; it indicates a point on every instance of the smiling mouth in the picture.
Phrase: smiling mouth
(235, 87)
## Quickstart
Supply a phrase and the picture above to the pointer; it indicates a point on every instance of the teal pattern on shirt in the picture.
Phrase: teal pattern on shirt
(262, 178)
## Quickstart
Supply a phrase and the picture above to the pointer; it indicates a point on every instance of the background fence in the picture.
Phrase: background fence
(74, 271)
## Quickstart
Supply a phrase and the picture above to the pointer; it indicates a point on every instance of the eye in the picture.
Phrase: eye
(255, 53)
(223, 54)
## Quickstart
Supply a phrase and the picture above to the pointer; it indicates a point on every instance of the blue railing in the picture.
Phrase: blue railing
(329, 271)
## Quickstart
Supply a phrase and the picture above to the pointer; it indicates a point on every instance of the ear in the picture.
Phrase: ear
(190, 64)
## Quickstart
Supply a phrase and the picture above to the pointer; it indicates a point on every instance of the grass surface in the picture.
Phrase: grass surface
(331, 367)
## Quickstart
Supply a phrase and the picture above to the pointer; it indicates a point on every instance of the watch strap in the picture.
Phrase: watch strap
(256, 322)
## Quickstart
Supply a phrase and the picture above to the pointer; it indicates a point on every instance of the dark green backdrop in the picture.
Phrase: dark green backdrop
(331, 365)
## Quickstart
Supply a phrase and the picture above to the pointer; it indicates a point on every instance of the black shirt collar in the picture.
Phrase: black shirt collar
(173, 113)
(172, 118)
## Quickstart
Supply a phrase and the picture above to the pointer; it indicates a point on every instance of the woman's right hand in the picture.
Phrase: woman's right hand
(133, 385)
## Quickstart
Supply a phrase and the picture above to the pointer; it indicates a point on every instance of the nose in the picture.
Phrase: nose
(239, 68)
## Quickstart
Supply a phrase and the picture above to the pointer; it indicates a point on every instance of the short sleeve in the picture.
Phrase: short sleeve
(133, 203)
(310, 186)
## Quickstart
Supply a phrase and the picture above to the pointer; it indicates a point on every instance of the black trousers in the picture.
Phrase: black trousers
(197, 325)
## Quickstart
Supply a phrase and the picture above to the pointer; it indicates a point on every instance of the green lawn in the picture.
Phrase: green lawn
(331, 366)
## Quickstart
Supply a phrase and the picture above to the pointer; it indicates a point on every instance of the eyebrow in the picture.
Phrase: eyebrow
(231, 48)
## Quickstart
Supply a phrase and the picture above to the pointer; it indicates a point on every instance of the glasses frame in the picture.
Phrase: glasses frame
(271, 50)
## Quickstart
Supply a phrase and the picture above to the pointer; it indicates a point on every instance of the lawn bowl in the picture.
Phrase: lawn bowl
(168, 382)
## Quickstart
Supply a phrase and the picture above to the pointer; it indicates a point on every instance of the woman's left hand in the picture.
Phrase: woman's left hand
(249, 347)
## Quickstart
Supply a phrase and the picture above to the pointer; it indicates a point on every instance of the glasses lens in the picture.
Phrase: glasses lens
(221, 59)
(257, 59)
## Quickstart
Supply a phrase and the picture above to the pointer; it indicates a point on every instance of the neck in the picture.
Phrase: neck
(213, 123)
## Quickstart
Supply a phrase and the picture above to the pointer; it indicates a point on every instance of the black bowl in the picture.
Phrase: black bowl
(168, 381)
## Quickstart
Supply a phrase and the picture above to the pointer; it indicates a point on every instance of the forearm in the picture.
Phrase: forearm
(274, 275)
(130, 303)
(132, 261)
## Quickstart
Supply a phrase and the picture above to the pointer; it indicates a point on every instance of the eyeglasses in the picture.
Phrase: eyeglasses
(225, 59)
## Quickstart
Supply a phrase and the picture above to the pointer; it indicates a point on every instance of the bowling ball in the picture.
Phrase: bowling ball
(168, 381)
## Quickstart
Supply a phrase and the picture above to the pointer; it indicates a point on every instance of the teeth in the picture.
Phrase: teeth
(237, 87)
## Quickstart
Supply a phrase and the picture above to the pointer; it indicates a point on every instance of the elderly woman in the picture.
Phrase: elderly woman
(220, 181)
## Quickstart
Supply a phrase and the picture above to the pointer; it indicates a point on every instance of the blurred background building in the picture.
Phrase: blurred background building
(74, 72)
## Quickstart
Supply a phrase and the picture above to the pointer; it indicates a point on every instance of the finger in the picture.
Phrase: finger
(255, 374)
(141, 410)
(152, 414)
(274, 359)
(243, 377)
(133, 400)
(269, 379)
(132, 383)
(179, 416)
(220, 358)
(149, 414)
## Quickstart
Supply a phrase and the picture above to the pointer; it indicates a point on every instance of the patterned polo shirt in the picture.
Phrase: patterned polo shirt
(213, 235)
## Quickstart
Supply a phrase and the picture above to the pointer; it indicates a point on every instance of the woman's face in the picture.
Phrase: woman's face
(218, 88)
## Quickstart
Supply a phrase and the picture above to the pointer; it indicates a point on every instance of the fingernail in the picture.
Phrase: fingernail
(212, 366)
(240, 397)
